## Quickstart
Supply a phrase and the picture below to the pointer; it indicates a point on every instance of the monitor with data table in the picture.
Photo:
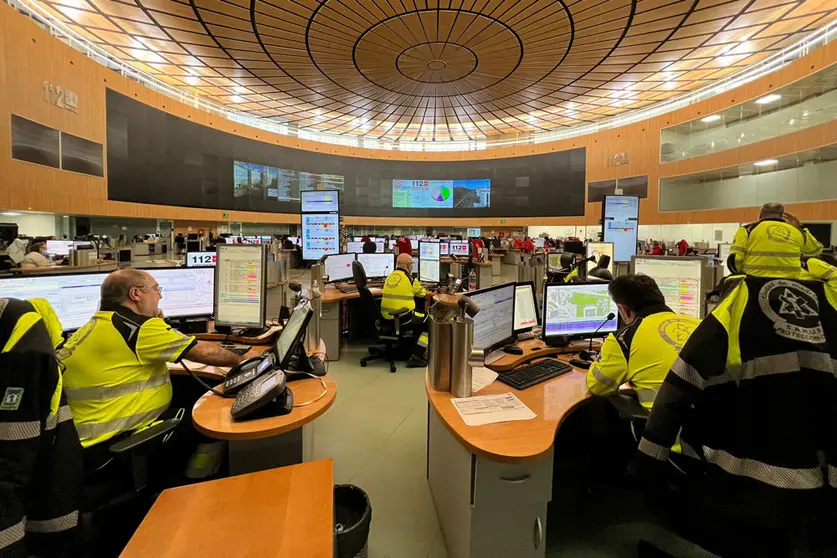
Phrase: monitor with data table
(525, 307)
(494, 323)
(597, 250)
(578, 309)
(74, 297)
(320, 201)
(377, 265)
(444, 248)
(354, 247)
(679, 279)
(620, 225)
(320, 235)
(59, 247)
(338, 267)
(200, 259)
(459, 248)
(240, 285)
(187, 292)
(429, 256)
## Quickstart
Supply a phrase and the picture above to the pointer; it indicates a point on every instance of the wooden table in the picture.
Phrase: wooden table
(491, 484)
(284, 513)
(264, 443)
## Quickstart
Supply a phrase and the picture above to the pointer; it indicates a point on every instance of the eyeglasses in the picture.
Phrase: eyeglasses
(157, 288)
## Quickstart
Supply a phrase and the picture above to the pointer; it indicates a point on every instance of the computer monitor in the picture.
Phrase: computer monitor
(377, 265)
(577, 309)
(599, 249)
(473, 232)
(553, 261)
(200, 259)
(494, 323)
(379, 246)
(574, 247)
(320, 201)
(357, 238)
(187, 292)
(444, 248)
(59, 247)
(190, 236)
(355, 247)
(525, 307)
(240, 285)
(429, 255)
(74, 297)
(459, 248)
(539, 242)
(193, 245)
(338, 267)
(293, 239)
(320, 235)
(290, 339)
(679, 279)
(620, 225)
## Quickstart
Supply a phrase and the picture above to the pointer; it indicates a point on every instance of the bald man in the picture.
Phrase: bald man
(116, 378)
(400, 292)
(772, 246)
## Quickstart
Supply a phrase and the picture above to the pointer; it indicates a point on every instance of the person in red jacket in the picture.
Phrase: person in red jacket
(682, 247)
(517, 244)
(657, 250)
(476, 245)
(365, 239)
(528, 246)
(404, 245)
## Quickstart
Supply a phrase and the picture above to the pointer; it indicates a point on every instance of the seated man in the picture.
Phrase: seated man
(752, 398)
(115, 377)
(369, 247)
(642, 352)
(400, 292)
(772, 246)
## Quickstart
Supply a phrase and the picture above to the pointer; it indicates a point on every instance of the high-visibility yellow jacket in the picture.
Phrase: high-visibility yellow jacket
(571, 275)
(771, 248)
(40, 453)
(641, 354)
(400, 291)
(116, 378)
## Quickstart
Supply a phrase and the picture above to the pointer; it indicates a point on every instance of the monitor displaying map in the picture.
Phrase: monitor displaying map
(577, 309)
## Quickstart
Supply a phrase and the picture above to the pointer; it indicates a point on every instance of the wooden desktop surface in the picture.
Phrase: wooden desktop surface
(264, 339)
(286, 512)
(332, 294)
(526, 440)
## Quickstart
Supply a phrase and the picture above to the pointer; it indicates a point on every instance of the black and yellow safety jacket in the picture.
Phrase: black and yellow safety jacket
(752, 395)
(771, 248)
(641, 354)
(40, 453)
(400, 292)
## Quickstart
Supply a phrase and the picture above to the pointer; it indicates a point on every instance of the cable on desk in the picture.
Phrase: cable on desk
(323, 394)
(204, 384)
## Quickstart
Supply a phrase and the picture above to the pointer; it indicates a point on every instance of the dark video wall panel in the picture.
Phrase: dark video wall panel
(154, 157)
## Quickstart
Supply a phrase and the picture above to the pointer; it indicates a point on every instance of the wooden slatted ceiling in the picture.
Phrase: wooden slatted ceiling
(441, 69)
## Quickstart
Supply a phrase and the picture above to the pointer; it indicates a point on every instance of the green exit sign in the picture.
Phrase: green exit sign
(226, 215)
(502, 221)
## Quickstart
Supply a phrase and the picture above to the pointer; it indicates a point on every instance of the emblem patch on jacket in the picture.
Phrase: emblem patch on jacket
(11, 399)
(793, 309)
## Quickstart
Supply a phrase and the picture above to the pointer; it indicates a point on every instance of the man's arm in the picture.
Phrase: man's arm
(212, 354)
(418, 290)
(735, 261)
(610, 371)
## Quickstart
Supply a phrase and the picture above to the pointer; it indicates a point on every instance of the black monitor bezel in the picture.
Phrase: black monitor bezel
(378, 254)
(438, 262)
(510, 337)
(585, 335)
(300, 335)
(263, 305)
(330, 280)
(536, 305)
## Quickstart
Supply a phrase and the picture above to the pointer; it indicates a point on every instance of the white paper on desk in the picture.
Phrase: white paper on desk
(192, 365)
(481, 377)
(488, 409)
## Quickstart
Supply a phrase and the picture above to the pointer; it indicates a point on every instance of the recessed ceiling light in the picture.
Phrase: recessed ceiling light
(711, 118)
(10, 214)
(765, 162)
(768, 99)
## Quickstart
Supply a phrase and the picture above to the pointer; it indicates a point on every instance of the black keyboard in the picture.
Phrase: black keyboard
(239, 349)
(347, 290)
(532, 374)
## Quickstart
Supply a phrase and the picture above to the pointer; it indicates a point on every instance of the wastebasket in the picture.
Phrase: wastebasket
(353, 516)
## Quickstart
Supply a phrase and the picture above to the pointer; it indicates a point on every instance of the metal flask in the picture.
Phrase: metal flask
(439, 346)
(462, 341)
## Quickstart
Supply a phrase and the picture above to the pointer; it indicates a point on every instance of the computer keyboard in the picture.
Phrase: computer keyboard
(238, 349)
(532, 374)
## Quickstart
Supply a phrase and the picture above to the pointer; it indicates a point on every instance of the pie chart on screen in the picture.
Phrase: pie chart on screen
(439, 192)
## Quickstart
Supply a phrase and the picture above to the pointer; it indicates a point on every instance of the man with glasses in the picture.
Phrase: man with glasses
(116, 379)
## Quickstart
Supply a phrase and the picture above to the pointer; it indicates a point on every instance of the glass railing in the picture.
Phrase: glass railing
(807, 176)
(799, 105)
(62, 31)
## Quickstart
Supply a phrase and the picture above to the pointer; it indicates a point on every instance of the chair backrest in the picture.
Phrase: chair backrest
(369, 308)
(604, 261)
(358, 274)
(567, 259)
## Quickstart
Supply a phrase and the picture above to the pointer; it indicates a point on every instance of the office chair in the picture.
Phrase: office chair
(115, 495)
(600, 272)
(389, 333)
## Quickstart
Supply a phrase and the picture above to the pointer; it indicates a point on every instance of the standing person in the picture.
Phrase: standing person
(528, 246)
(40, 453)
(404, 245)
(476, 247)
(657, 250)
(37, 257)
(180, 243)
(773, 245)
(682, 247)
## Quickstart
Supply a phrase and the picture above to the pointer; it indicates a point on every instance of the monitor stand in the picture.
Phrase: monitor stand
(301, 362)
(524, 336)
(494, 356)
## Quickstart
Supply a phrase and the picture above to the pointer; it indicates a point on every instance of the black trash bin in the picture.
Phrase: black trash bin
(353, 516)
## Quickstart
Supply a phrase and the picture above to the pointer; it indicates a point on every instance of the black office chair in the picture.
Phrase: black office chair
(600, 273)
(116, 494)
(389, 333)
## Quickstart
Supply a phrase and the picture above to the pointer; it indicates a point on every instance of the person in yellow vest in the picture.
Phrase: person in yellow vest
(772, 246)
(400, 292)
(642, 352)
(116, 378)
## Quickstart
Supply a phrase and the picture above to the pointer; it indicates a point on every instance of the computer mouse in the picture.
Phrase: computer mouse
(535, 349)
(513, 350)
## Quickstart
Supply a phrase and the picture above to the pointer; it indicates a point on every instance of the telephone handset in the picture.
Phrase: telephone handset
(268, 393)
(242, 374)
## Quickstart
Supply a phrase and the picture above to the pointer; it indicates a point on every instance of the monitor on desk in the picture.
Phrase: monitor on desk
(338, 267)
(525, 307)
(193, 245)
(240, 285)
(377, 265)
(494, 323)
(599, 249)
(291, 336)
(354, 247)
(59, 247)
(473, 232)
(379, 246)
(679, 279)
(74, 297)
(539, 243)
(429, 255)
(320, 201)
(200, 259)
(553, 261)
(577, 309)
(187, 292)
(444, 248)
(459, 248)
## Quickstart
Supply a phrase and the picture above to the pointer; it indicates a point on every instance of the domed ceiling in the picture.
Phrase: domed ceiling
(441, 70)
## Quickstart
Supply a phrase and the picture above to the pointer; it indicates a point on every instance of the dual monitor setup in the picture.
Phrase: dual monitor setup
(338, 267)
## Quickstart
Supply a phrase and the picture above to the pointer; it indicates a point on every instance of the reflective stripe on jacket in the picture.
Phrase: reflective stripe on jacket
(400, 291)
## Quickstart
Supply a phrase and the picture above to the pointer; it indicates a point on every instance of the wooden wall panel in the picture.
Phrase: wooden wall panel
(29, 56)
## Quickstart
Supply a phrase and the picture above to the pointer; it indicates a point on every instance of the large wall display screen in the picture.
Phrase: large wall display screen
(157, 158)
